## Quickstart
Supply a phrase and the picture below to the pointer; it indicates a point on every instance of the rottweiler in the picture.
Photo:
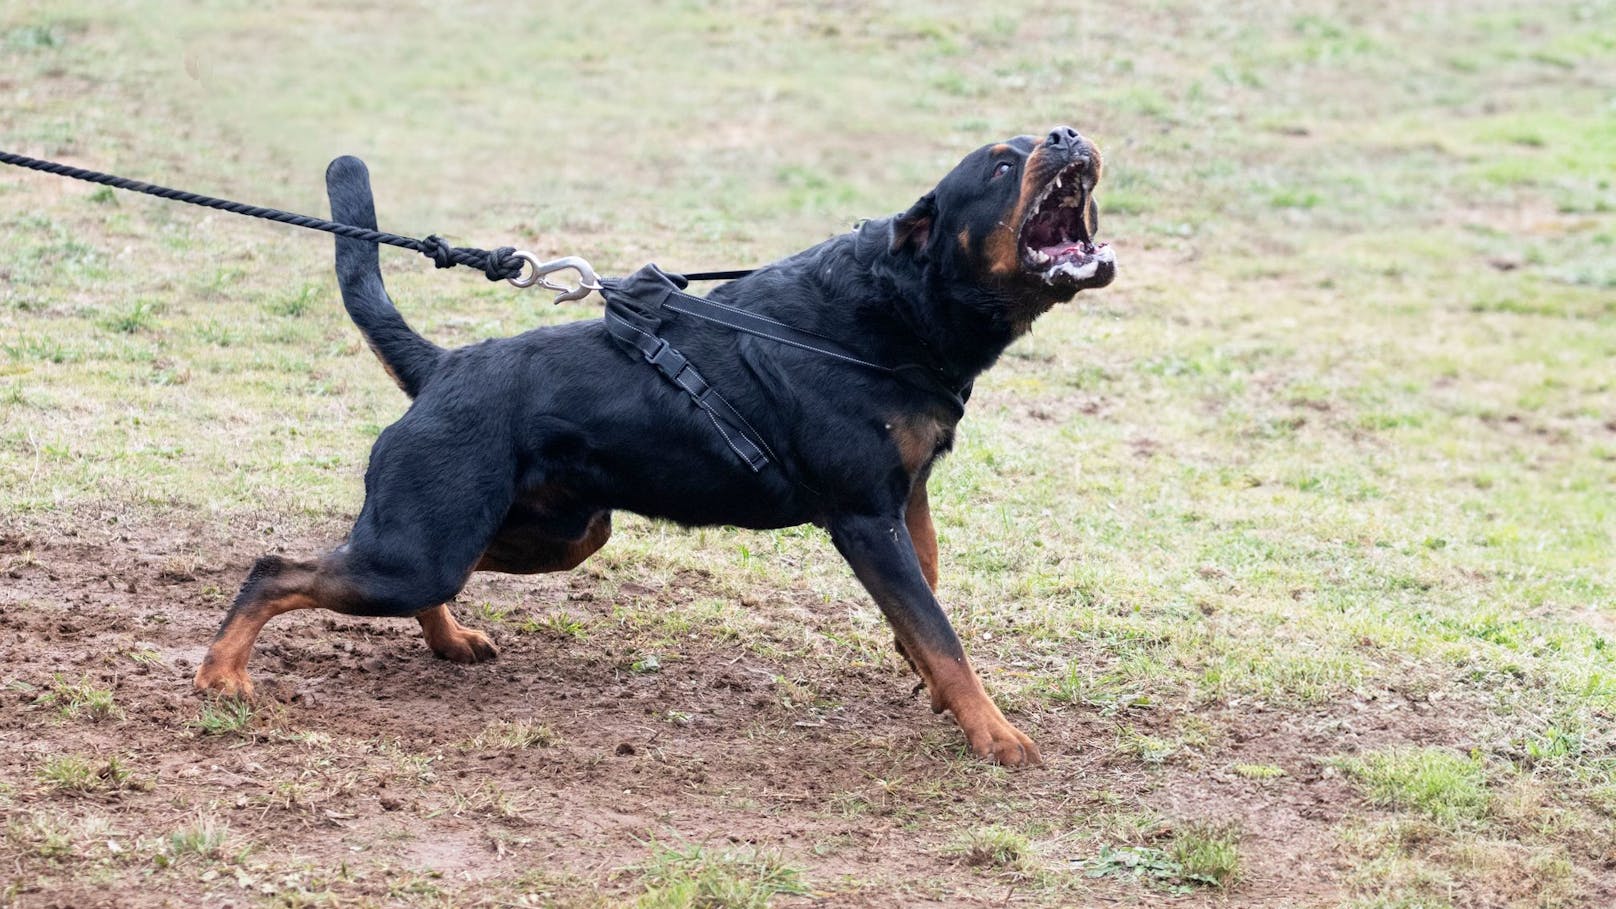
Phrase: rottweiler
(516, 451)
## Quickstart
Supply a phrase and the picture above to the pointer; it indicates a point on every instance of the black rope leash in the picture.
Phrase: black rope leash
(498, 264)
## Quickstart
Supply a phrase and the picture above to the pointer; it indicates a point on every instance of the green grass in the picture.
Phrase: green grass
(224, 716)
(700, 877)
(996, 849)
(206, 839)
(1144, 747)
(41, 835)
(81, 700)
(73, 773)
(1444, 786)
(1206, 855)
(138, 316)
(145, 656)
(1259, 771)
(556, 625)
(1194, 857)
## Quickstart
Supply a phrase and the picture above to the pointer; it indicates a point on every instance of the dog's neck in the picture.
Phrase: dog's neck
(892, 308)
(963, 329)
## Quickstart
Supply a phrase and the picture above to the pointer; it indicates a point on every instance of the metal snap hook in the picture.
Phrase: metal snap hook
(525, 279)
(539, 272)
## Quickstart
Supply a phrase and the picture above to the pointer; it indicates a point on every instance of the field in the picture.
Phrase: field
(1294, 549)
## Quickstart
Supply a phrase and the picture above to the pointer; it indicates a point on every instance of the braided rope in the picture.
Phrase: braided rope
(497, 264)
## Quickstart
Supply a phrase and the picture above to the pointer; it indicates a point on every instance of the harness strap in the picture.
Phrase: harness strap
(730, 275)
(633, 316)
(926, 378)
(763, 327)
(677, 368)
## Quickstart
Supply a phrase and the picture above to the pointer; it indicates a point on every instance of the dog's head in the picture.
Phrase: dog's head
(1016, 219)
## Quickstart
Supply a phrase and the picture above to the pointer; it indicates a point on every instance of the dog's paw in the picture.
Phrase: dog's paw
(465, 645)
(998, 741)
(231, 684)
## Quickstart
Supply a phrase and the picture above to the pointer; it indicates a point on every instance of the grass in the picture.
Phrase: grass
(1259, 771)
(556, 625)
(1334, 455)
(138, 316)
(72, 773)
(1193, 858)
(995, 849)
(40, 835)
(502, 735)
(205, 839)
(224, 716)
(1206, 855)
(1147, 748)
(81, 700)
(692, 876)
(145, 656)
(1444, 786)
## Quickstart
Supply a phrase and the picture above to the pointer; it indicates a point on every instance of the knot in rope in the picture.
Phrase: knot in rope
(497, 264)
(439, 251)
(502, 263)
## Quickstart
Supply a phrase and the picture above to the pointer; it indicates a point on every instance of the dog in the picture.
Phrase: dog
(516, 451)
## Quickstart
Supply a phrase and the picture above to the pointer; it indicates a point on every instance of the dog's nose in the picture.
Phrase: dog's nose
(1063, 137)
(1066, 139)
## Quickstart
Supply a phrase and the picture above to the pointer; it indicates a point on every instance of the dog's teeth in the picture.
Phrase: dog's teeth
(1074, 271)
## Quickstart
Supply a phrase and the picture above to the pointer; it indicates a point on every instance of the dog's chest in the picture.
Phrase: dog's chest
(919, 439)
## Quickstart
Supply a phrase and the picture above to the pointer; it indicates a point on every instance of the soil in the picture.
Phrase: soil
(356, 776)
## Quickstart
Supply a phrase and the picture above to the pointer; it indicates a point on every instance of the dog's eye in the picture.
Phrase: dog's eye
(1002, 168)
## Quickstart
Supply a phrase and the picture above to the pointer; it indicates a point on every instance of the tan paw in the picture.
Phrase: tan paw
(998, 741)
(237, 684)
(465, 645)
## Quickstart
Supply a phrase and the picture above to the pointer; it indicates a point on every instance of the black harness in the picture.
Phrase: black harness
(639, 307)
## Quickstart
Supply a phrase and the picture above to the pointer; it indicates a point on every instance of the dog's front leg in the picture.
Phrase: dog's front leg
(883, 557)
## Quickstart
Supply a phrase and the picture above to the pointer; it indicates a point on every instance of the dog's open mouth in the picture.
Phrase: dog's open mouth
(1056, 240)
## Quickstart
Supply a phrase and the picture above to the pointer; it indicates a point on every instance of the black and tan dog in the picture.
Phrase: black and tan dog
(516, 451)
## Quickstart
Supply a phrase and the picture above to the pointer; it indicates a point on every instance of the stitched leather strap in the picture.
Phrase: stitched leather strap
(919, 375)
(677, 368)
(634, 307)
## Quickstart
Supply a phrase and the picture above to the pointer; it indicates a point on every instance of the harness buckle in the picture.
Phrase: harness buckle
(668, 361)
(539, 274)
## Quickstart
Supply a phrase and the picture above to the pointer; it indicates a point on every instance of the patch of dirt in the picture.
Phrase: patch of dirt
(357, 775)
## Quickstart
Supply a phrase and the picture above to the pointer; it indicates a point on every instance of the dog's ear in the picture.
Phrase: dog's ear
(912, 229)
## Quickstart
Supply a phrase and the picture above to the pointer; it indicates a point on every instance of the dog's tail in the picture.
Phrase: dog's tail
(409, 358)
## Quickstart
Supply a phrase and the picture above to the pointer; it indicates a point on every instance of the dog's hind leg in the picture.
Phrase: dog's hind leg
(429, 514)
(274, 586)
(518, 548)
(453, 641)
(345, 580)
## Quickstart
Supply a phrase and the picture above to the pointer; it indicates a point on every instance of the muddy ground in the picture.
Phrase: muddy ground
(358, 778)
